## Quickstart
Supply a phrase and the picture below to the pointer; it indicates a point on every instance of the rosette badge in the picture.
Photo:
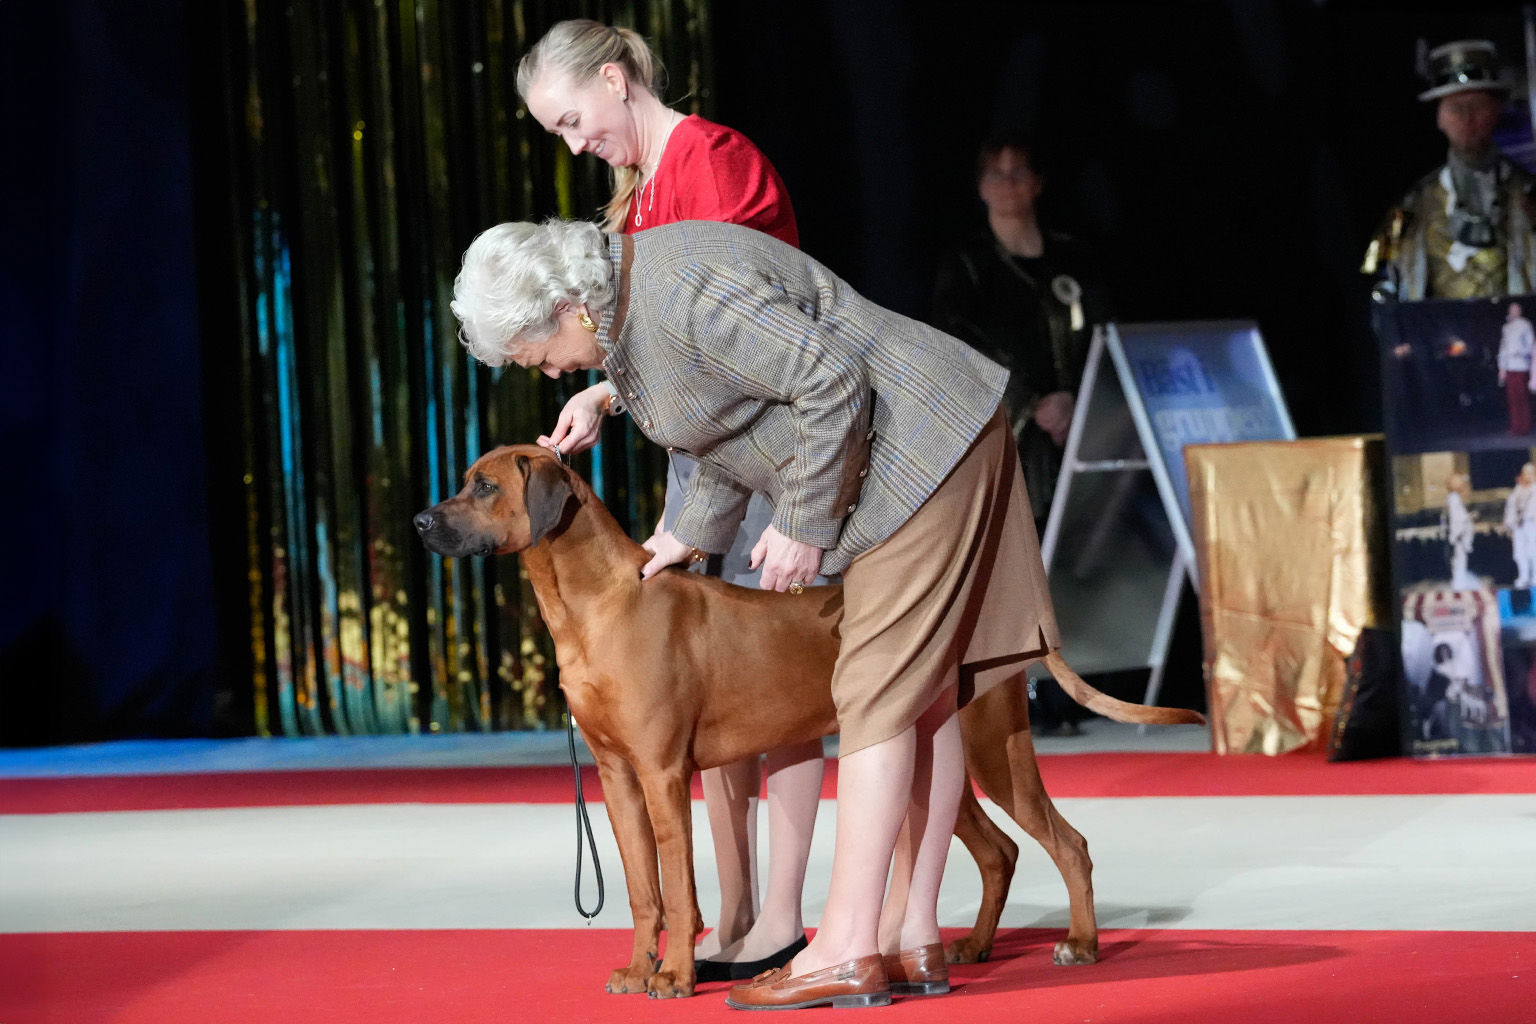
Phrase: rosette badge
(1069, 293)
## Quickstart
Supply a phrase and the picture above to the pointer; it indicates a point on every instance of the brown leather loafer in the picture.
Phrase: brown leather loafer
(860, 982)
(922, 971)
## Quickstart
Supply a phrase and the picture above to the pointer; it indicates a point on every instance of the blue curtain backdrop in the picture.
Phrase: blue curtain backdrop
(107, 619)
(232, 375)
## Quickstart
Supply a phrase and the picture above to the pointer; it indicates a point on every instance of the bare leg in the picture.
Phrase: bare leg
(938, 781)
(916, 773)
(730, 799)
(794, 795)
(894, 912)
(939, 776)
(874, 785)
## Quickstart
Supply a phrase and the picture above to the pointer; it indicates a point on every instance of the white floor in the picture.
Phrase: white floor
(1375, 862)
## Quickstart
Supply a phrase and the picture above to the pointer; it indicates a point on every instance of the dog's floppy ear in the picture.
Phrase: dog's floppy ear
(545, 493)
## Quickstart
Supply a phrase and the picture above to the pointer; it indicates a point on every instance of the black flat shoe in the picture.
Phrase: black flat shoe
(705, 971)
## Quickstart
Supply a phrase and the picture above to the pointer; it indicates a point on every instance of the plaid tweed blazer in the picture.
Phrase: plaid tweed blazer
(745, 353)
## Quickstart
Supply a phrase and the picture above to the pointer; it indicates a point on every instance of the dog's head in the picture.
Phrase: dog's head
(512, 498)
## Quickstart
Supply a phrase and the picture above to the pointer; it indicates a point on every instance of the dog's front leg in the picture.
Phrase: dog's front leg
(637, 849)
(668, 800)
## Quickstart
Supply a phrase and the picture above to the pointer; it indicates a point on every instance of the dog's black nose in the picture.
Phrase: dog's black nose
(423, 521)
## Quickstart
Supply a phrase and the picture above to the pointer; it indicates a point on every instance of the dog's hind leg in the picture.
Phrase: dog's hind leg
(1023, 796)
(1000, 755)
(668, 800)
(1036, 814)
(995, 856)
(637, 849)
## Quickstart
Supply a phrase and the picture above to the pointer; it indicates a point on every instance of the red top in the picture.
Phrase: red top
(711, 172)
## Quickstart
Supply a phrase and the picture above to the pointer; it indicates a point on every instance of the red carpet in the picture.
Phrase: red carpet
(1066, 775)
(555, 977)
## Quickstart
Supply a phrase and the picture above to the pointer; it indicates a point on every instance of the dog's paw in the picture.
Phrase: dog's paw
(968, 950)
(669, 985)
(1072, 954)
(628, 980)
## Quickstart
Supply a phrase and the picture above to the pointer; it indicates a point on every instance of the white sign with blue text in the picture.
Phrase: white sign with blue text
(1203, 382)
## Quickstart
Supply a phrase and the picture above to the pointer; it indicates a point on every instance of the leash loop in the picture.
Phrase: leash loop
(583, 823)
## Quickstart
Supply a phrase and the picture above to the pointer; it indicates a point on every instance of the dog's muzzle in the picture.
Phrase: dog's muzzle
(442, 538)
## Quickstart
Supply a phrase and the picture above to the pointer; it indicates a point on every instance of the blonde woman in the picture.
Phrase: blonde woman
(599, 89)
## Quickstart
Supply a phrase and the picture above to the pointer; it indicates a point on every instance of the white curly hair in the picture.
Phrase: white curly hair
(514, 277)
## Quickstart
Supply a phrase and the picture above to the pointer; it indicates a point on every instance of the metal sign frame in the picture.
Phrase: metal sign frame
(1108, 338)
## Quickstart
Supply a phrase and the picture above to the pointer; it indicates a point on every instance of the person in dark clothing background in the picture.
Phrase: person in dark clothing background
(1027, 297)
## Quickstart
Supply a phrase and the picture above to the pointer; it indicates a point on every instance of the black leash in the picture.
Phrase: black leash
(583, 822)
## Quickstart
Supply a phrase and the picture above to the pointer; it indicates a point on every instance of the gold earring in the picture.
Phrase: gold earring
(587, 322)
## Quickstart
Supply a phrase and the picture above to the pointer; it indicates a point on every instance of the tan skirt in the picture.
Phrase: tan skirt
(957, 594)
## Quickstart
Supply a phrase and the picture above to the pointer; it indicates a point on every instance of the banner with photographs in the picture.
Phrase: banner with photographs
(1460, 397)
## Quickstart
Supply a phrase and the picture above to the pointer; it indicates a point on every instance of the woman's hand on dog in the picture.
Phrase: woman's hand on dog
(665, 550)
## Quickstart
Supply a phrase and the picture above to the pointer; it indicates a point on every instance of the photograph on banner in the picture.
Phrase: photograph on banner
(1457, 374)
(1454, 674)
(1464, 552)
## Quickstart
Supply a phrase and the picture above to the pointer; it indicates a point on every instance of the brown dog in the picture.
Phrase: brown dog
(686, 672)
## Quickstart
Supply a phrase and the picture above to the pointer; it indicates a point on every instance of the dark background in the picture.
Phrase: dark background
(1227, 159)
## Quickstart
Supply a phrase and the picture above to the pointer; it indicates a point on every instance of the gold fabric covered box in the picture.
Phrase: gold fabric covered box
(1292, 562)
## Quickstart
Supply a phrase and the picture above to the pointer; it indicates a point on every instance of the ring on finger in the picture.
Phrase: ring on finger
(797, 587)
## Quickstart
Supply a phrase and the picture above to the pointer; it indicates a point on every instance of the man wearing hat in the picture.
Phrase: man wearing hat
(1465, 230)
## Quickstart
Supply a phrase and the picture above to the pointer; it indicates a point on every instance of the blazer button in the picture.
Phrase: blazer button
(868, 437)
(852, 507)
(671, 449)
(863, 473)
(647, 424)
(620, 371)
(629, 394)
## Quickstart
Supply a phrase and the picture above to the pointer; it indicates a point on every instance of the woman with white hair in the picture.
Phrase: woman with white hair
(598, 88)
(882, 447)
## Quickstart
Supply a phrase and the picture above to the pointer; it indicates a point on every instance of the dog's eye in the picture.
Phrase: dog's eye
(484, 488)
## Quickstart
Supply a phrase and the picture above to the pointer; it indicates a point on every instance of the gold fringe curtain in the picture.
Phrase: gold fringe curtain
(368, 144)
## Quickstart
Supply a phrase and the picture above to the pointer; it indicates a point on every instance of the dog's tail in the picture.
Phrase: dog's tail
(1109, 707)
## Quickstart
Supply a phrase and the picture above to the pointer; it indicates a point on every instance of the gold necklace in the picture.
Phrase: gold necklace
(651, 181)
(639, 220)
